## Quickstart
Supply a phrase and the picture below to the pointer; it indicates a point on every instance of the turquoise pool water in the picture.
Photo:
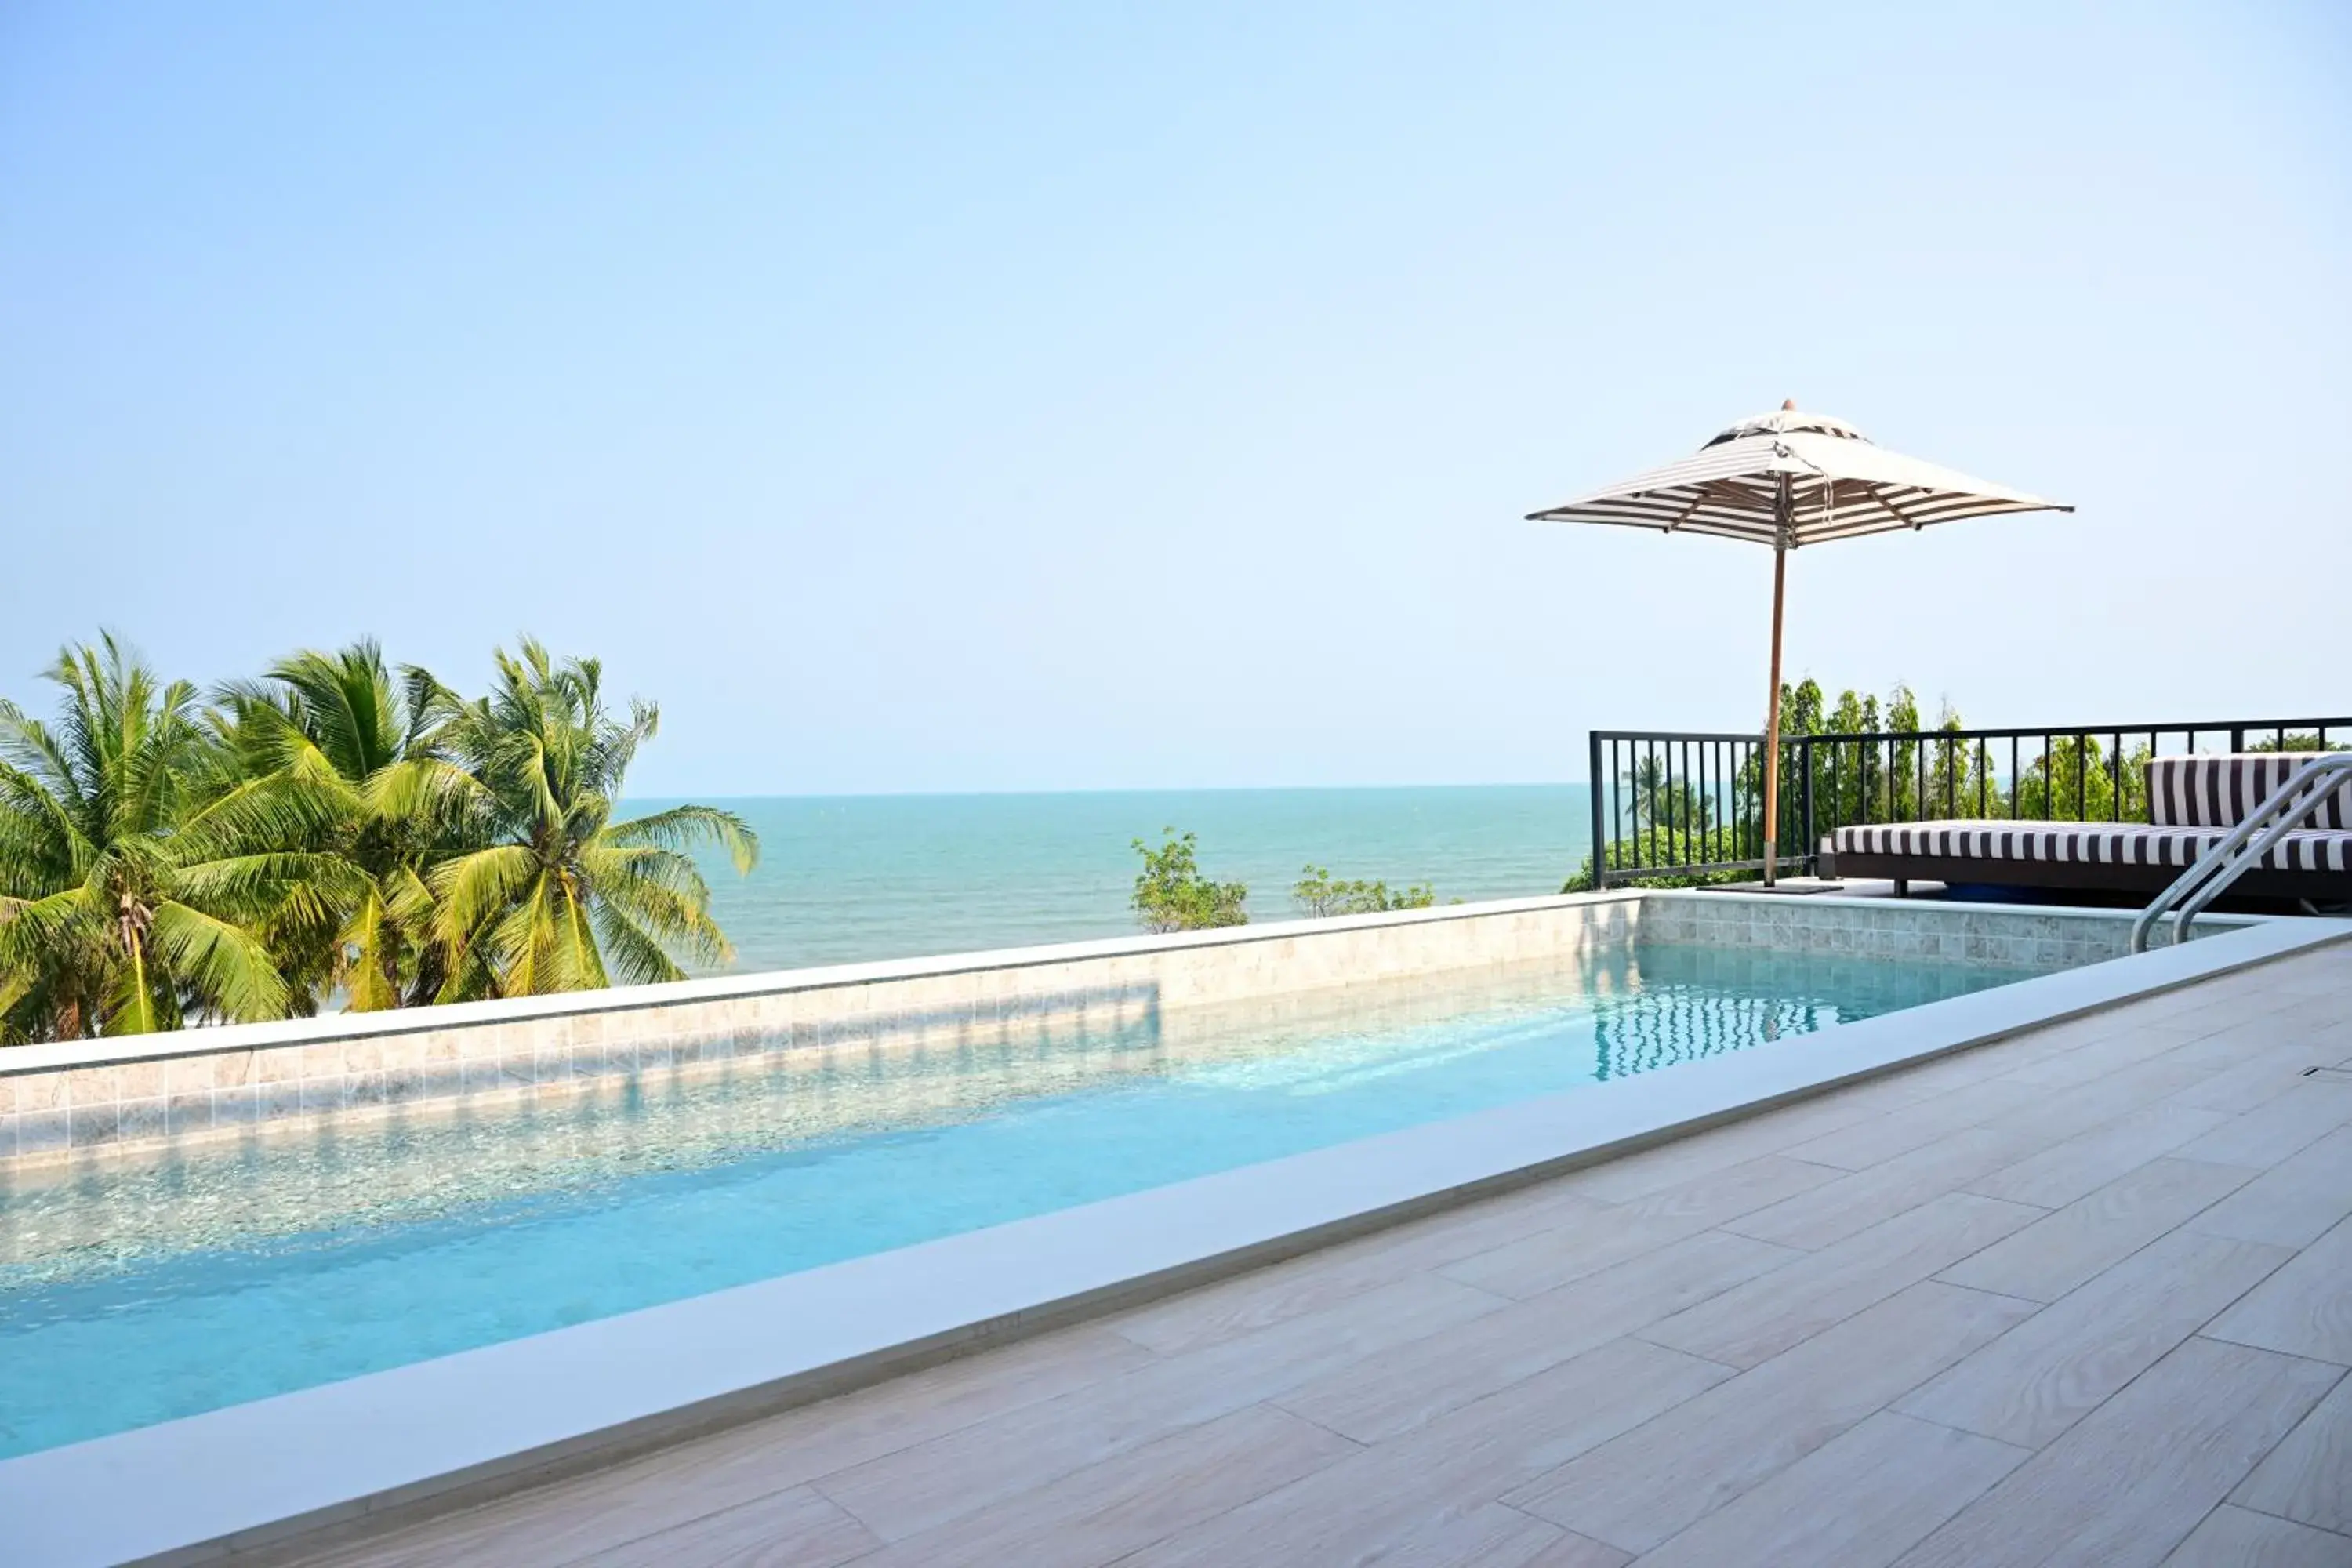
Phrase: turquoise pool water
(135, 1293)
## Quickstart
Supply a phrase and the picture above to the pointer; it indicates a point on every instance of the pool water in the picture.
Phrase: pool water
(136, 1292)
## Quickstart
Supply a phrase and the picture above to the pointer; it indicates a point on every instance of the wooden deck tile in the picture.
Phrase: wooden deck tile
(2101, 1058)
(1265, 1297)
(573, 1518)
(1436, 1486)
(2089, 1160)
(2305, 1308)
(1754, 1321)
(1443, 1371)
(2048, 1372)
(2056, 1253)
(2236, 1538)
(2134, 1477)
(1106, 1510)
(1583, 1245)
(1855, 1201)
(2304, 1114)
(801, 1527)
(2088, 1107)
(1719, 1196)
(1634, 1492)
(1858, 1501)
(914, 1490)
(2308, 1477)
(2253, 1079)
(1486, 1535)
(1445, 1238)
(2293, 1204)
(1882, 1138)
(1574, 1550)
(1674, 1163)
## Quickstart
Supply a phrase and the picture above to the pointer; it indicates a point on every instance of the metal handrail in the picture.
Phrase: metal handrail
(2242, 848)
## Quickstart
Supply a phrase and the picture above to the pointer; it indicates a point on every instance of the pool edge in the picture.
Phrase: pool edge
(306, 1470)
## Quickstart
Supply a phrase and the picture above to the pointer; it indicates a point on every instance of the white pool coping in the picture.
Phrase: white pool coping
(210, 1486)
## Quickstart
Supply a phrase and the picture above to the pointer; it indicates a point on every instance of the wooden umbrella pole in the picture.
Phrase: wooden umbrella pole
(1772, 708)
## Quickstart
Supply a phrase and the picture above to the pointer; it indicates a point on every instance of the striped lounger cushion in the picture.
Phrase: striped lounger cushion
(2083, 843)
(2222, 790)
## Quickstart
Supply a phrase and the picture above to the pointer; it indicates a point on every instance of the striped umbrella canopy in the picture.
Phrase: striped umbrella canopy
(1790, 479)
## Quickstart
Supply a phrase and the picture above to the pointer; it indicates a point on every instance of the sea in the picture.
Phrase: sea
(845, 879)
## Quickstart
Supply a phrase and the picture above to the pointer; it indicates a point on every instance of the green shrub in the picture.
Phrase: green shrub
(1170, 894)
(1319, 896)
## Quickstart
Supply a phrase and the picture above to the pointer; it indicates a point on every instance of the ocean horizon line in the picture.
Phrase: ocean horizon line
(1131, 790)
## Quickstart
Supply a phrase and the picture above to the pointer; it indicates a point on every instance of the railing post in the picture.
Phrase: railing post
(1812, 856)
(1600, 845)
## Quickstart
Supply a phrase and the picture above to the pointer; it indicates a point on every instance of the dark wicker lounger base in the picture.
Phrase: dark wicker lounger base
(2320, 887)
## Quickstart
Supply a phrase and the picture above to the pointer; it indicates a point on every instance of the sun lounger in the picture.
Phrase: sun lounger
(2195, 801)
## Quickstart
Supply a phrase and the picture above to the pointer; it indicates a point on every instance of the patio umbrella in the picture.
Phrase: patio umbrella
(1789, 479)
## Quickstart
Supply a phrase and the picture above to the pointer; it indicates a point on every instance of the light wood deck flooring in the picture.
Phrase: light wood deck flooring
(2084, 1297)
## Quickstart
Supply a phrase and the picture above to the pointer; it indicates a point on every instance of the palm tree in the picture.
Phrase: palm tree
(562, 897)
(1676, 808)
(1651, 786)
(132, 886)
(351, 751)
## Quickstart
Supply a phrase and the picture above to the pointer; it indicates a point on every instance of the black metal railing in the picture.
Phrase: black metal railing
(1668, 805)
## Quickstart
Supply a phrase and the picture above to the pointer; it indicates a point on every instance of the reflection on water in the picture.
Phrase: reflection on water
(132, 1291)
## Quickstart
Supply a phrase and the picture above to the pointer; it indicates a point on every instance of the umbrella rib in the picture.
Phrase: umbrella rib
(1895, 511)
(1721, 493)
(1698, 499)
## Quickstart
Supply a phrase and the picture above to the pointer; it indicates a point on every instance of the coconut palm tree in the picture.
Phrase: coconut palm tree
(1650, 786)
(562, 897)
(350, 749)
(132, 889)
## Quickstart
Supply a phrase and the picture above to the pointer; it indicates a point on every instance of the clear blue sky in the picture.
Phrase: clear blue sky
(924, 399)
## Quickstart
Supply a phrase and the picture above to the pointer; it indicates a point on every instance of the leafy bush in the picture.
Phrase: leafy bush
(1170, 894)
(1319, 896)
(1664, 847)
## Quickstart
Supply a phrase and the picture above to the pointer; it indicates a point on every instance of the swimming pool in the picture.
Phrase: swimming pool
(138, 1291)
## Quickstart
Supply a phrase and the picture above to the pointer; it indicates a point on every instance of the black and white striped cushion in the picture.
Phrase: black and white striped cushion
(2336, 811)
(2222, 790)
(2322, 849)
(2083, 843)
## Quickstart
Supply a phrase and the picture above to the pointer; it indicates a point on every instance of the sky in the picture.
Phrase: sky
(957, 398)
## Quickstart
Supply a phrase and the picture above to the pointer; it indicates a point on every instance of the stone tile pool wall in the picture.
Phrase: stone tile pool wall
(2017, 936)
(59, 1103)
(62, 1102)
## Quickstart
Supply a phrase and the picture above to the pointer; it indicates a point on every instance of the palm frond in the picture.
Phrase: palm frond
(630, 951)
(676, 917)
(470, 889)
(225, 964)
(372, 977)
(425, 789)
(686, 828)
(268, 879)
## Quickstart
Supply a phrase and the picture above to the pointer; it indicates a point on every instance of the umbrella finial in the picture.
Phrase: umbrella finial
(1788, 403)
